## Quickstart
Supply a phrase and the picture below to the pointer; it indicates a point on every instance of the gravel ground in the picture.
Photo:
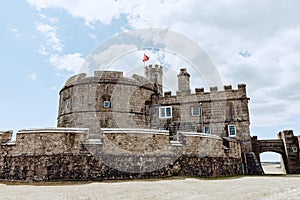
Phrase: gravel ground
(247, 187)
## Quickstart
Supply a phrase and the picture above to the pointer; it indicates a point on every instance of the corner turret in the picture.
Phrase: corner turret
(155, 74)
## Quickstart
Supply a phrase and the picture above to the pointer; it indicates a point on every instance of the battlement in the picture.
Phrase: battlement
(154, 66)
(5, 136)
(214, 89)
(108, 74)
(108, 77)
(226, 88)
(75, 78)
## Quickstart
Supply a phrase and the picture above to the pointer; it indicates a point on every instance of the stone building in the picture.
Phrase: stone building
(110, 100)
(115, 127)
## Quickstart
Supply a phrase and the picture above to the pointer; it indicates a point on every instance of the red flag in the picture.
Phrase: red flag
(146, 58)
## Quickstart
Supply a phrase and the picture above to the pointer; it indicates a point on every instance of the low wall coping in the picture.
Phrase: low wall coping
(52, 130)
(11, 143)
(197, 134)
(135, 131)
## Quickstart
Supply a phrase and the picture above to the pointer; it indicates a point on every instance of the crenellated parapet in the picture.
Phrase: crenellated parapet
(227, 88)
(225, 93)
(5, 136)
(107, 77)
(74, 79)
(153, 68)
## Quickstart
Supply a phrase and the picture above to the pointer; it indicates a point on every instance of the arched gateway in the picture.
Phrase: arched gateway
(287, 145)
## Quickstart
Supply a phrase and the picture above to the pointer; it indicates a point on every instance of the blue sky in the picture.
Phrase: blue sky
(253, 42)
(30, 40)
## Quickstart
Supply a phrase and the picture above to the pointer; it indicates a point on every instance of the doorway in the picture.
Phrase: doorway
(272, 163)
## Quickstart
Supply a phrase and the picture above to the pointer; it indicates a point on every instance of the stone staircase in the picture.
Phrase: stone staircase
(252, 165)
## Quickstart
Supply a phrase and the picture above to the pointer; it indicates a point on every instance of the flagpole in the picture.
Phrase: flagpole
(146, 58)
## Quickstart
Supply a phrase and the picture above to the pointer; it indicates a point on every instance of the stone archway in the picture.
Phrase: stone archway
(272, 163)
(287, 145)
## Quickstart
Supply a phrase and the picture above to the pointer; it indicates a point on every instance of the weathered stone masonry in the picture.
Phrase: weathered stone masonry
(287, 145)
(115, 127)
(136, 102)
(68, 154)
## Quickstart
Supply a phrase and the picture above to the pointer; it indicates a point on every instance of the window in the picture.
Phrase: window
(207, 129)
(68, 103)
(231, 131)
(195, 111)
(106, 104)
(165, 112)
(230, 112)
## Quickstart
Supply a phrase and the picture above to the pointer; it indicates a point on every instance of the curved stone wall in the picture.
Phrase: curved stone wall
(105, 100)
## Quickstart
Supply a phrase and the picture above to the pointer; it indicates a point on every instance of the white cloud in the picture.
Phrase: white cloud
(69, 62)
(93, 36)
(53, 20)
(50, 34)
(32, 76)
(266, 33)
(42, 50)
(15, 31)
(91, 11)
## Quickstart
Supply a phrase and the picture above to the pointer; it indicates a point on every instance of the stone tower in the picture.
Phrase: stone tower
(155, 74)
(105, 100)
(183, 82)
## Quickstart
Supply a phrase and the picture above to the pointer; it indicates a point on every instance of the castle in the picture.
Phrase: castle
(115, 127)
(107, 98)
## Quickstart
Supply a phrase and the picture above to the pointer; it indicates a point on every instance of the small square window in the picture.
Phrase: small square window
(165, 112)
(106, 104)
(168, 112)
(207, 129)
(232, 131)
(195, 111)
(68, 103)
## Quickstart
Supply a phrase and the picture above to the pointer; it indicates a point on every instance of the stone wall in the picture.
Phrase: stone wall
(287, 145)
(69, 154)
(291, 145)
(82, 101)
(5, 136)
(135, 102)
(220, 108)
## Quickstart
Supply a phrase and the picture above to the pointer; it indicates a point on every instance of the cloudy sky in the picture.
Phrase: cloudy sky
(43, 42)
